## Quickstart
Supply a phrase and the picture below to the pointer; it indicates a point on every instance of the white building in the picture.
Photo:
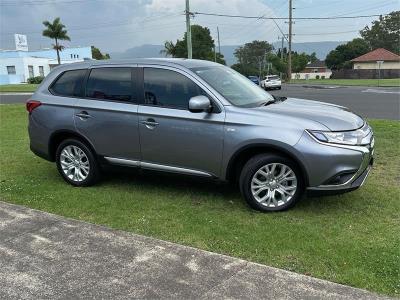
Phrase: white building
(16, 66)
(314, 70)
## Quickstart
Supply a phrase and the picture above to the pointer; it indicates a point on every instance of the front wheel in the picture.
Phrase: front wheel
(76, 163)
(271, 182)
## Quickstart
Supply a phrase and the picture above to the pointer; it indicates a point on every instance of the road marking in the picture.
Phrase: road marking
(381, 91)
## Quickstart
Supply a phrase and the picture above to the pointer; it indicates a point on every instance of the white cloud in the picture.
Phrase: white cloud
(232, 30)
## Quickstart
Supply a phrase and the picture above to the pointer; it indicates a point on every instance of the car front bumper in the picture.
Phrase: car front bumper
(327, 162)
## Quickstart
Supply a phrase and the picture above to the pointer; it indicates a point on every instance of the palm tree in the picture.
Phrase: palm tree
(169, 49)
(57, 32)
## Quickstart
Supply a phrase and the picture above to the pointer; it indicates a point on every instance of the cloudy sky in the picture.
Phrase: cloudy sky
(116, 25)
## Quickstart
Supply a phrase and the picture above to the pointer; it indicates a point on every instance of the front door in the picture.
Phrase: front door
(107, 114)
(172, 137)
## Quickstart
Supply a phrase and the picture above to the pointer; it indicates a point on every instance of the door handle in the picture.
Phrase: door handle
(83, 115)
(150, 123)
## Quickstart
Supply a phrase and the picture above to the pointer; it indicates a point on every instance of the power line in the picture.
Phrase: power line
(286, 18)
(325, 33)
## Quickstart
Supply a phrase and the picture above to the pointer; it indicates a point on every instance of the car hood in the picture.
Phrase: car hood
(332, 116)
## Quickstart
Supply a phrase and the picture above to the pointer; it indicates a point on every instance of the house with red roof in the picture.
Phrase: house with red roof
(370, 60)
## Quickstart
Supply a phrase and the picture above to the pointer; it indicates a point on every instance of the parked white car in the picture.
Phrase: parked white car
(271, 82)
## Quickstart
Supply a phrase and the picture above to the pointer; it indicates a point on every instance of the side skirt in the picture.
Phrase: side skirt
(157, 167)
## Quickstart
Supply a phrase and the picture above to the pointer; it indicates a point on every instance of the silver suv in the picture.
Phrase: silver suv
(197, 118)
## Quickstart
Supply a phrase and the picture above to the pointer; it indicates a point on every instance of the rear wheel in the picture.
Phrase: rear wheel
(271, 182)
(76, 163)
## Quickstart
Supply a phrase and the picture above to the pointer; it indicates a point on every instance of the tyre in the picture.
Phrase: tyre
(270, 182)
(76, 163)
(279, 88)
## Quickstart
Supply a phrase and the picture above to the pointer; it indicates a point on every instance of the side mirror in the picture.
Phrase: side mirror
(199, 104)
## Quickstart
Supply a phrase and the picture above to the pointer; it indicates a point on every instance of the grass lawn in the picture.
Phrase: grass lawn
(363, 82)
(18, 87)
(351, 239)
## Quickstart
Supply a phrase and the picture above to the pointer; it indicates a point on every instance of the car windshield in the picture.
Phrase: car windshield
(236, 88)
(272, 77)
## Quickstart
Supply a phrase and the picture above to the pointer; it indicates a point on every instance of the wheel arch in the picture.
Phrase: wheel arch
(60, 135)
(243, 154)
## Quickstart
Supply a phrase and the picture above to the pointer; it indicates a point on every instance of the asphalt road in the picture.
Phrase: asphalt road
(370, 102)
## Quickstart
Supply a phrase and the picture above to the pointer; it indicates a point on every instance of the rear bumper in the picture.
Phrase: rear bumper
(40, 153)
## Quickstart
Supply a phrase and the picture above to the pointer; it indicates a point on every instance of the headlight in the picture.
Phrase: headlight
(360, 136)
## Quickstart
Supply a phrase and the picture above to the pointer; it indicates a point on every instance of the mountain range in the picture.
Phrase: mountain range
(320, 48)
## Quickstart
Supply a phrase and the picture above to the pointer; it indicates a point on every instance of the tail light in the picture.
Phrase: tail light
(32, 104)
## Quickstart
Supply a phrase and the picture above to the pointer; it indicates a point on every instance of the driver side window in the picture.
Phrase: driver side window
(170, 89)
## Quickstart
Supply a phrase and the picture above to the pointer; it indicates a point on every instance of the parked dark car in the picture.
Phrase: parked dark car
(255, 79)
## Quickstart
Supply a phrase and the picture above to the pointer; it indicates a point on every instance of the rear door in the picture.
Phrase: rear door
(107, 114)
(171, 137)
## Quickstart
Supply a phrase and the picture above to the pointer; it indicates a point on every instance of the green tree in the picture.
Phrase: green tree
(340, 57)
(56, 31)
(202, 46)
(384, 33)
(312, 57)
(251, 57)
(169, 49)
(299, 61)
(96, 54)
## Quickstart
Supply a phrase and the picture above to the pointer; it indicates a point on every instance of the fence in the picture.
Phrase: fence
(365, 74)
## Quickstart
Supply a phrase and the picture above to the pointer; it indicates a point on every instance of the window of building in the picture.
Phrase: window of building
(71, 56)
(167, 88)
(69, 83)
(110, 83)
(31, 73)
(11, 70)
(77, 56)
(41, 71)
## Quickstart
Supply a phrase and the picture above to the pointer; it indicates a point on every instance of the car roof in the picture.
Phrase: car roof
(183, 62)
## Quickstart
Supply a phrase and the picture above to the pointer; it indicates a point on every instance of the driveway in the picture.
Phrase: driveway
(370, 102)
(49, 257)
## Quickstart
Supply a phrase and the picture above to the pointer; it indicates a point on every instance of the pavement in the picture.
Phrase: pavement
(369, 102)
(44, 256)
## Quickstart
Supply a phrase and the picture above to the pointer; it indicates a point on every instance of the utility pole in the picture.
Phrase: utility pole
(188, 30)
(282, 49)
(219, 44)
(290, 42)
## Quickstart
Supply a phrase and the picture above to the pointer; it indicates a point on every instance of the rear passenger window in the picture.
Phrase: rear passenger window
(110, 83)
(168, 88)
(69, 83)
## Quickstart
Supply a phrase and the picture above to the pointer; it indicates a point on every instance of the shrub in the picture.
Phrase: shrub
(317, 77)
(35, 80)
(323, 77)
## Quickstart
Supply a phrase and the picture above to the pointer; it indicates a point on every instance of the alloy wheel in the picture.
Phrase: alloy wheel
(274, 184)
(74, 163)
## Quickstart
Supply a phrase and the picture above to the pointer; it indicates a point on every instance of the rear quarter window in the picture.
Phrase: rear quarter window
(68, 83)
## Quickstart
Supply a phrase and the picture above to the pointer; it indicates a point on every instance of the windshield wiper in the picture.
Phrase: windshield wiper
(279, 98)
(268, 102)
(272, 101)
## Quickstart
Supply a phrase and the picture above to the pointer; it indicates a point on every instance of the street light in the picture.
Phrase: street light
(379, 62)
